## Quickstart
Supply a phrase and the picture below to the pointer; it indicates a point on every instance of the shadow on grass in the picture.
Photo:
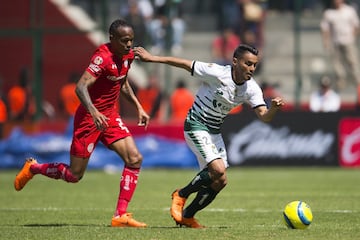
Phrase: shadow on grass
(97, 225)
(62, 225)
(174, 227)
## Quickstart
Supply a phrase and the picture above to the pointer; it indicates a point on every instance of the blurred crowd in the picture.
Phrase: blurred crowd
(160, 26)
(158, 23)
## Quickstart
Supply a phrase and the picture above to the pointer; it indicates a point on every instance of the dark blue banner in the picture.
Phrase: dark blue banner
(49, 147)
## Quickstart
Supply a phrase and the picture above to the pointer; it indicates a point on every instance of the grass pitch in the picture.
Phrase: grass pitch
(250, 207)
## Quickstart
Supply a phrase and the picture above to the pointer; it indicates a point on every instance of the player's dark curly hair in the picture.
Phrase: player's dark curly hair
(243, 48)
(117, 23)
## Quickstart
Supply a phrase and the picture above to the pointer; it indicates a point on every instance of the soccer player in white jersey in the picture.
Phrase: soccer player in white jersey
(222, 89)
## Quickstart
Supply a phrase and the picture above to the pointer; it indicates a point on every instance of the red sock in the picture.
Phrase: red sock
(54, 170)
(127, 187)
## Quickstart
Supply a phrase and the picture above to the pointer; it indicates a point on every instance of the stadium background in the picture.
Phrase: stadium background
(44, 36)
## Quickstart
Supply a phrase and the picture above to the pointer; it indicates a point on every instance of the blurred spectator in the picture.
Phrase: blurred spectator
(20, 99)
(223, 46)
(252, 20)
(144, 6)
(68, 98)
(17, 97)
(147, 11)
(139, 14)
(3, 110)
(3, 117)
(167, 19)
(180, 101)
(151, 98)
(251, 26)
(324, 99)
(227, 13)
(339, 27)
(137, 20)
(358, 99)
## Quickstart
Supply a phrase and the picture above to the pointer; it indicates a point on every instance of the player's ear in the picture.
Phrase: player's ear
(234, 61)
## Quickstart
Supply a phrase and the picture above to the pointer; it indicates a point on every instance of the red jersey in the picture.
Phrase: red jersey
(111, 72)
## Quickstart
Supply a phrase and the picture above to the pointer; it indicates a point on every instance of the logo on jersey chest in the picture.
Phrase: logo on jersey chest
(125, 64)
(114, 68)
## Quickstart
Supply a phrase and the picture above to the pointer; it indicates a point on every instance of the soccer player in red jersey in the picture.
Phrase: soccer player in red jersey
(97, 119)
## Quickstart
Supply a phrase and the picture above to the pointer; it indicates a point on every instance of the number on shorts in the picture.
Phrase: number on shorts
(121, 125)
(206, 140)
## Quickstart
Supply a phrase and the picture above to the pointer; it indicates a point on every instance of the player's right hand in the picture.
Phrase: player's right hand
(100, 120)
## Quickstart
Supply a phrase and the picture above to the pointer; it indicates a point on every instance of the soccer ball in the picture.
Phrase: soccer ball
(297, 215)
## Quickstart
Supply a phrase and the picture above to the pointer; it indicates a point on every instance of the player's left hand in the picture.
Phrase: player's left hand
(277, 102)
(144, 119)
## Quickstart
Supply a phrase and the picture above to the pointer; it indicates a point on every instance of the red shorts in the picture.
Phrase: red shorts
(86, 135)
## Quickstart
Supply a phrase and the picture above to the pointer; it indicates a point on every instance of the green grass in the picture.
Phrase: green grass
(250, 207)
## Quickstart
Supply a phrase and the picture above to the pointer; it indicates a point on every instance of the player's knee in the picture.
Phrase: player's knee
(223, 180)
(216, 173)
(219, 176)
(219, 183)
(135, 160)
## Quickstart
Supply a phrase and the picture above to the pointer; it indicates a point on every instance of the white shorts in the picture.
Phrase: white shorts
(207, 147)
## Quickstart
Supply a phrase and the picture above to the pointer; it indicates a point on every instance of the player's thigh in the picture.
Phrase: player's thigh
(85, 138)
(126, 148)
(207, 147)
(118, 138)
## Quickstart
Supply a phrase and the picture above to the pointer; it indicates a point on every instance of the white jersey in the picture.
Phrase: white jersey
(218, 95)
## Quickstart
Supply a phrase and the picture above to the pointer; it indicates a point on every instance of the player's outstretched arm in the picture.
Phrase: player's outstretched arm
(265, 114)
(145, 56)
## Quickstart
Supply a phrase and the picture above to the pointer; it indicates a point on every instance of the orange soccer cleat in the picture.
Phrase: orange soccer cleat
(190, 222)
(24, 175)
(177, 206)
(126, 220)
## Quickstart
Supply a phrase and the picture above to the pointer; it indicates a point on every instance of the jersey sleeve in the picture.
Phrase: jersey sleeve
(203, 69)
(97, 64)
(255, 95)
